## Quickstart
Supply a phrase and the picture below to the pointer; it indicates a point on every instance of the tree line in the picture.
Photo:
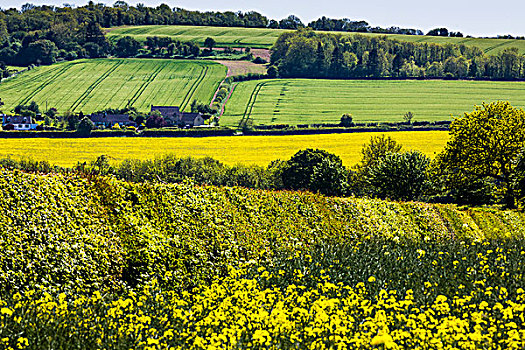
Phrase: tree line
(308, 54)
(32, 17)
(43, 34)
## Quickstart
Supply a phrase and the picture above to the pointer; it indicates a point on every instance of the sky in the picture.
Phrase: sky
(471, 17)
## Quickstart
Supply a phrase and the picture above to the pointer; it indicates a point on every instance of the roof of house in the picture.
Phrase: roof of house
(110, 118)
(17, 120)
(166, 111)
(189, 118)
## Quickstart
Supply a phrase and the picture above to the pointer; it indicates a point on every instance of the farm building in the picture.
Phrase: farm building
(167, 111)
(191, 119)
(108, 120)
(18, 123)
(174, 114)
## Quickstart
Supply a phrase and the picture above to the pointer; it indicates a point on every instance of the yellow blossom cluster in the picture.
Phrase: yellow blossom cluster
(239, 313)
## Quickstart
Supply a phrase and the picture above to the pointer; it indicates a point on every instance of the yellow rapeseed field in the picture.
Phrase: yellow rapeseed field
(258, 150)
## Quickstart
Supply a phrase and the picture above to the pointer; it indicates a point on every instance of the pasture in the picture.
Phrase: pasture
(265, 37)
(96, 84)
(308, 101)
(260, 150)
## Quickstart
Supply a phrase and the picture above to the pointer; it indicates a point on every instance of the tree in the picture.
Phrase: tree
(438, 32)
(347, 121)
(291, 22)
(377, 149)
(155, 120)
(317, 171)
(518, 178)
(408, 117)
(272, 72)
(399, 176)
(93, 50)
(209, 43)
(41, 51)
(85, 126)
(72, 120)
(483, 144)
(127, 47)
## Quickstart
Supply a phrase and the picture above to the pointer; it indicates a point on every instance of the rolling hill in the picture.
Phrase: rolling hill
(96, 84)
(265, 38)
(310, 101)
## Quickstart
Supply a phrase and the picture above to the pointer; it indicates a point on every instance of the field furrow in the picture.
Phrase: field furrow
(94, 85)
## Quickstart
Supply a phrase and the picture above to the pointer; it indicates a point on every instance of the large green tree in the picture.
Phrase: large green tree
(483, 145)
(398, 176)
(317, 171)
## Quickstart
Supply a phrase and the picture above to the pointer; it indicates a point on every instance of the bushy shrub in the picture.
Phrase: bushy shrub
(317, 171)
(399, 176)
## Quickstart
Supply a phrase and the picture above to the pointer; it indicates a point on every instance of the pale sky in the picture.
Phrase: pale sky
(474, 17)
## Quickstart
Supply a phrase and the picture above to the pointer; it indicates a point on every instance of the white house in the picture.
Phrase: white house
(18, 122)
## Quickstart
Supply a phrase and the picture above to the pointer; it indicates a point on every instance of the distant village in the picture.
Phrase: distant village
(158, 117)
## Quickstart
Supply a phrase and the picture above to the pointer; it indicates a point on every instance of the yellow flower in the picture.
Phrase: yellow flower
(371, 279)
(383, 338)
(22, 343)
(6, 311)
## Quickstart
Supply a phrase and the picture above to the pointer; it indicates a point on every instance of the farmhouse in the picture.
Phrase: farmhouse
(18, 123)
(191, 119)
(168, 112)
(180, 118)
(108, 120)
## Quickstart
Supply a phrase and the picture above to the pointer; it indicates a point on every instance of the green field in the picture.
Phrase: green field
(307, 101)
(260, 150)
(96, 84)
(265, 38)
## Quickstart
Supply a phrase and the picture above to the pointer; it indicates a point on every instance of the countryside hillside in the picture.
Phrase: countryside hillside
(265, 38)
(201, 179)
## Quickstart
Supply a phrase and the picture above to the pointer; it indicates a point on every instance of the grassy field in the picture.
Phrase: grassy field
(91, 85)
(259, 150)
(304, 101)
(265, 38)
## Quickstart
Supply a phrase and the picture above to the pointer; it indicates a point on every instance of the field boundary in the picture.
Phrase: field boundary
(213, 132)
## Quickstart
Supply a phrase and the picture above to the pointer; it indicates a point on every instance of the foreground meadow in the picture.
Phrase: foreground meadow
(259, 150)
(96, 84)
(91, 263)
(310, 101)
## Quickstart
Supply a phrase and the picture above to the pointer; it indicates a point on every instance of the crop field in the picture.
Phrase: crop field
(96, 263)
(223, 36)
(308, 101)
(265, 38)
(96, 84)
(260, 150)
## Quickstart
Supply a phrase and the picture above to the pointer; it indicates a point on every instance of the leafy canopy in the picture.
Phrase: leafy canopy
(484, 143)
